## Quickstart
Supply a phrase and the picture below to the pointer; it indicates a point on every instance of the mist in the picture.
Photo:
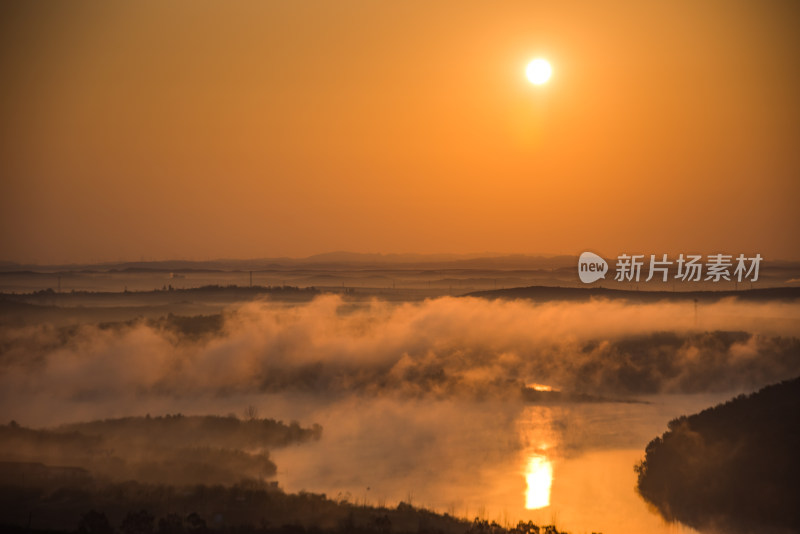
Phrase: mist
(423, 402)
(438, 349)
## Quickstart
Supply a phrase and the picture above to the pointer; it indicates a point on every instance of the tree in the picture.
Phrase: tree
(251, 413)
(141, 522)
(94, 522)
(196, 523)
(170, 524)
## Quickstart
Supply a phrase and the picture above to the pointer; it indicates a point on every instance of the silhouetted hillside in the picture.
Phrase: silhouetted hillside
(546, 293)
(54, 502)
(731, 468)
(208, 430)
(176, 474)
(174, 449)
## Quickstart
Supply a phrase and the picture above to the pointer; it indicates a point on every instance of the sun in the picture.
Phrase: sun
(538, 71)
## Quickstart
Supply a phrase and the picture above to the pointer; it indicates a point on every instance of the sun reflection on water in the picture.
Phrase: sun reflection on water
(539, 477)
(539, 444)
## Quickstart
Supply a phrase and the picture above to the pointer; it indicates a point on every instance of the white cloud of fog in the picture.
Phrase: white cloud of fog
(415, 399)
(438, 348)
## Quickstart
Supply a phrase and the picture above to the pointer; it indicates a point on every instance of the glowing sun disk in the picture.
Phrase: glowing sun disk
(538, 71)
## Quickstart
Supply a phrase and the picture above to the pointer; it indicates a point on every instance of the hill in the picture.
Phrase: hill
(547, 293)
(168, 449)
(730, 468)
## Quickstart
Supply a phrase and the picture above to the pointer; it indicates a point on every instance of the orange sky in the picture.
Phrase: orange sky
(200, 130)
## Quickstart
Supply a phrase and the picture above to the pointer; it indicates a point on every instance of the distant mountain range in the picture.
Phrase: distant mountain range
(330, 260)
(549, 293)
(538, 269)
